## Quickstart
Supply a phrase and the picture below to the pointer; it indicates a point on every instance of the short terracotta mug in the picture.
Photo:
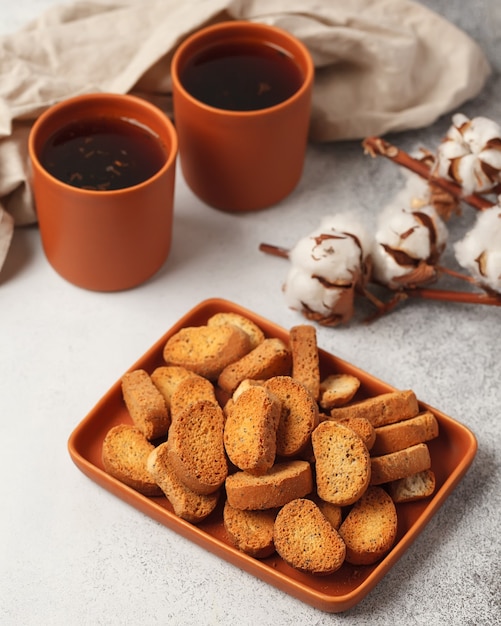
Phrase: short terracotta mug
(97, 239)
(241, 160)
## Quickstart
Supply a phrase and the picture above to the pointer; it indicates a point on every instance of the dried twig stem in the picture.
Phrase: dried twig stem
(377, 146)
(467, 278)
(464, 297)
(269, 248)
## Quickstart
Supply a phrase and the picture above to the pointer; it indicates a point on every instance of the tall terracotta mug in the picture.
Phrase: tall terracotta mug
(100, 237)
(236, 159)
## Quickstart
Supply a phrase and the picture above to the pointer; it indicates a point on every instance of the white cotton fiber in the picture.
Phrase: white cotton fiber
(409, 232)
(303, 290)
(334, 251)
(326, 266)
(468, 147)
(479, 251)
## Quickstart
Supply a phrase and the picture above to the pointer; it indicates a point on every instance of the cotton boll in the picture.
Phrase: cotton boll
(479, 251)
(326, 266)
(470, 154)
(423, 191)
(334, 257)
(407, 245)
(416, 232)
(348, 223)
(478, 132)
(302, 290)
(331, 251)
(318, 301)
(385, 269)
(415, 193)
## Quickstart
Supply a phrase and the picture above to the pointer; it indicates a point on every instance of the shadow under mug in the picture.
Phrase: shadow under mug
(242, 160)
(105, 240)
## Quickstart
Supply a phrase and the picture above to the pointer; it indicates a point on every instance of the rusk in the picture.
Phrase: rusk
(166, 378)
(187, 504)
(206, 350)
(400, 464)
(244, 385)
(190, 390)
(124, 454)
(337, 390)
(270, 358)
(385, 408)
(250, 531)
(364, 429)
(406, 433)
(370, 528)
(250, 431)
(281, 484)
(306, 540)
(414, 487)
(255, 334)
(305, 362)
(145, 403)
(298, 415)
(196, 449)
(332, 512)
(342, 461)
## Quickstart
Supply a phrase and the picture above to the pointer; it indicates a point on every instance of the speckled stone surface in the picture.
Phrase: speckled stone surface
(71, 553)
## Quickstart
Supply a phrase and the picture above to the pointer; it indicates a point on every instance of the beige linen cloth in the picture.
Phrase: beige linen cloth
(381, 65)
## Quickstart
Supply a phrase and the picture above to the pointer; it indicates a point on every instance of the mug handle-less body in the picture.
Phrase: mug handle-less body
(242, 160)
(105, 240)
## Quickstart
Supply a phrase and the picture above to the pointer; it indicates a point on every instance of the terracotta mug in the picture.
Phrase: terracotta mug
(240, 160)
(101, 238)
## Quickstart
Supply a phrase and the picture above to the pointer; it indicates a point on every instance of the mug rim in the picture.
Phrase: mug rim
(94, 98)
(236, 26)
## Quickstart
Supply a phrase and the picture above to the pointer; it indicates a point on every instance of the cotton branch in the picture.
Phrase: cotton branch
(375, 146)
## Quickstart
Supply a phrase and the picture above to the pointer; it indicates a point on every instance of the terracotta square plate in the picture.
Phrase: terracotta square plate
(452, 453)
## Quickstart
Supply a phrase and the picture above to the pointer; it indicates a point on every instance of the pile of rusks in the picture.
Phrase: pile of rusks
(300, 465)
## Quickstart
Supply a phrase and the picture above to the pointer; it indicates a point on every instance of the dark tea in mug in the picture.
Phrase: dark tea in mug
(103, 154)
(242, 76)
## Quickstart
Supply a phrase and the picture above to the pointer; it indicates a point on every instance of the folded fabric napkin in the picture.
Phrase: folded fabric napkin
(381, 66)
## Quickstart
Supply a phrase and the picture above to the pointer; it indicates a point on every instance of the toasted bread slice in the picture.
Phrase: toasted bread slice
(400, 464)
(250, 431)
(370, 528)
(196, 448)
(281, 484)
(305, 361)
(413, 487)
(343, 466)
(364, 429)
(337, 390)
(386, 408)
(166, 379)
(206, 350)
(299, 414)
(187, 504)
(270, 358)
(256, 335)
(332, 512)
(306, 540)
(250, 531)
(146, 405)
(124, 455)
(244, 385)
(190, 390)
(409, 432)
